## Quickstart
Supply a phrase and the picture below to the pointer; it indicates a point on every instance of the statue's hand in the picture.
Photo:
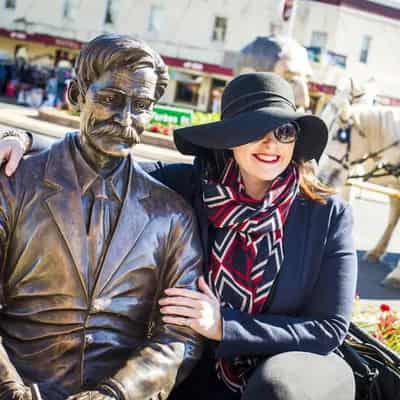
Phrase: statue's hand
(12, 149)
(91, 395)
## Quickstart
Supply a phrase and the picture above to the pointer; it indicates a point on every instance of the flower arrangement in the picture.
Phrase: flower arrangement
(162, 129)
(383, 323)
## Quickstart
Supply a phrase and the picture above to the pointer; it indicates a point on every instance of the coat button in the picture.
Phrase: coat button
(100, 304)
(96, 306)
(89, 338)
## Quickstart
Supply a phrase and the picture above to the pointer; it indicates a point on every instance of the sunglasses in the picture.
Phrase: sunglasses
(287, 133)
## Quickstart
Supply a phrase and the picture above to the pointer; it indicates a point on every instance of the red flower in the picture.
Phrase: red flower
(154, 128)
(385, 307)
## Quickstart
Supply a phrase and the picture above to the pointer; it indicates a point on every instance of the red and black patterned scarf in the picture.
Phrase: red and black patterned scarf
(247, 253)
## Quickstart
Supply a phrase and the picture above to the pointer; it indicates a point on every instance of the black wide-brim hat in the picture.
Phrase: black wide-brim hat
(252, 105)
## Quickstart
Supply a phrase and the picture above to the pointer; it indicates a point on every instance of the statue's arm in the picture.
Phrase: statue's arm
(11, 384)
(171, 351)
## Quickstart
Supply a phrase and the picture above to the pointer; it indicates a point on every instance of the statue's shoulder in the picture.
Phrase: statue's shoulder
(35, 164)
(159, 195)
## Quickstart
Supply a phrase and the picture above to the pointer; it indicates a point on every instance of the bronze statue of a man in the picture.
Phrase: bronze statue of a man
(88, 244)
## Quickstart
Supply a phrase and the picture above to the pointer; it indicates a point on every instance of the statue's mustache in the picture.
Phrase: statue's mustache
(130, 133)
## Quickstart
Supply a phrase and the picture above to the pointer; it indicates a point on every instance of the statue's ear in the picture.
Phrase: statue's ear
(74, 95)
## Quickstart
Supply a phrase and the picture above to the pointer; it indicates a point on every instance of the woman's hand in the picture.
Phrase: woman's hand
(199, 311)
(12, 150)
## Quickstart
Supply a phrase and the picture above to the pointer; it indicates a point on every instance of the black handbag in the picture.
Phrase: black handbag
(376, 368)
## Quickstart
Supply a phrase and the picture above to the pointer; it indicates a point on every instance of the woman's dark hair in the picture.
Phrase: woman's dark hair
(214, 161)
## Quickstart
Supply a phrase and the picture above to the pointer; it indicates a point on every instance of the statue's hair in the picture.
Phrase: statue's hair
(110, 51)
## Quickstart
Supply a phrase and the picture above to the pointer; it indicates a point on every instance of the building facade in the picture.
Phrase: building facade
(356, 36)
(200, 38)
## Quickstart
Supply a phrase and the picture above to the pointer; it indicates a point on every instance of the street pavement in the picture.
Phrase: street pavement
(370, 211)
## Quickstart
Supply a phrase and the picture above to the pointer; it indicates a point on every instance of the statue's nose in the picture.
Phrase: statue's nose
(125, 116)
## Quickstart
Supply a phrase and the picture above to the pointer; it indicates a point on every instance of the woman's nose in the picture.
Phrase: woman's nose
(269, 138)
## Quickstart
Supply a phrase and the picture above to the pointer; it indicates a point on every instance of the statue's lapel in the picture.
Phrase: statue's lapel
(65, 205)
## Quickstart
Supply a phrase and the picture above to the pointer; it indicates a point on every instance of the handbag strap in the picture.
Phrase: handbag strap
(363, 338)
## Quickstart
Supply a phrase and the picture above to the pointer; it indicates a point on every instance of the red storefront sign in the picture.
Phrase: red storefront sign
(388, 101)
(42, 38)
(77, 45)
(197, 66)
(321, 88)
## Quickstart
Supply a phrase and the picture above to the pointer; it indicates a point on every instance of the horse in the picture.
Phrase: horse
(282, 55)
(364, 142)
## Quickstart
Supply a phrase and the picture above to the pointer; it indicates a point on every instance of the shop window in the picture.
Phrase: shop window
(111, 8)
(219, 29)
(21, 52)
(187, 93)
(319, 39)
(70, 9)
(11, 4)
(365, 46)
(66, 8)
(217, 88)
(155, 19)
(62, 57)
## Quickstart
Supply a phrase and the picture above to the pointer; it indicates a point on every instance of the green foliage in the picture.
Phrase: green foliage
(204, 118)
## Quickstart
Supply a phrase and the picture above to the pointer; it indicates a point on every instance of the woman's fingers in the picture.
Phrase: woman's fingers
(14, 160)
(184, 293)
(11, 151)
(180, 301)
(181, 311)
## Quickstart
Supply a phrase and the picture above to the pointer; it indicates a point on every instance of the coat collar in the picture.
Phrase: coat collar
(116, 182)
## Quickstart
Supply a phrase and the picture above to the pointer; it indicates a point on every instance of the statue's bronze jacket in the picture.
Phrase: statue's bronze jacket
(57, 333)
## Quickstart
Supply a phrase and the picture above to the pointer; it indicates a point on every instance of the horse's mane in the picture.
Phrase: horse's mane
(381, 124)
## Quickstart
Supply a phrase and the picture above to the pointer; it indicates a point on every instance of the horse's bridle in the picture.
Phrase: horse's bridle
(388, 169)
(343, 138)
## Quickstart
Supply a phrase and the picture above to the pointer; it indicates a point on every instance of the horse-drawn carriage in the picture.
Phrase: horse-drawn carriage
(364, 151)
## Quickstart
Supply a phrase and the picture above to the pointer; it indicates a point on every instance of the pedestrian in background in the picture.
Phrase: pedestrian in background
(51, 90)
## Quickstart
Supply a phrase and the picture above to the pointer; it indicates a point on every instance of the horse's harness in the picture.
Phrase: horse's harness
(343, 135)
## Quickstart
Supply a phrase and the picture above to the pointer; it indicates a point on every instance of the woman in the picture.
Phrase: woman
(280, 271)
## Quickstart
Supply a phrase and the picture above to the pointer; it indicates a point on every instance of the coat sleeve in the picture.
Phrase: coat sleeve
(10, 380)
(321, 325)
(40, 142)
(171, 351)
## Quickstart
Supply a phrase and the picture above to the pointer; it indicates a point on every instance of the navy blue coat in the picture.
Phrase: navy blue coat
(311, 302)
